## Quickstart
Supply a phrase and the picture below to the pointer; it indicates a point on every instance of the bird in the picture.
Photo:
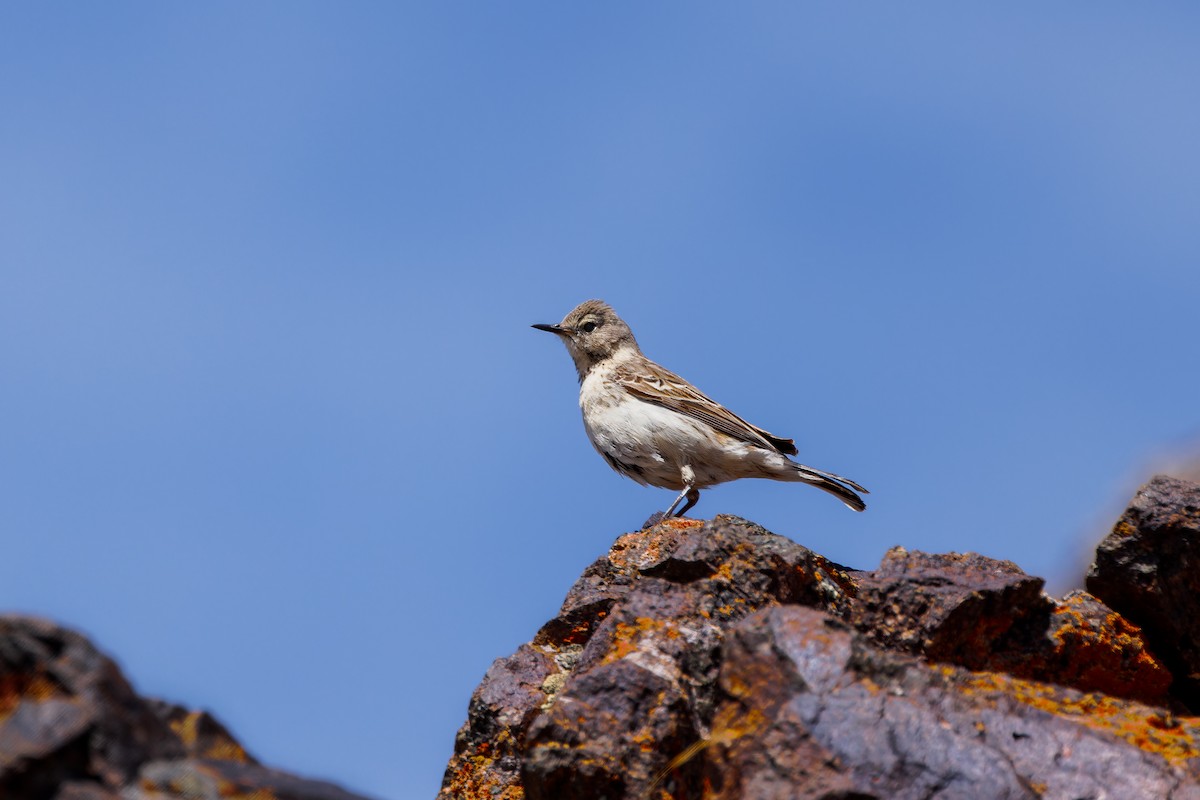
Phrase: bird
(654, 427)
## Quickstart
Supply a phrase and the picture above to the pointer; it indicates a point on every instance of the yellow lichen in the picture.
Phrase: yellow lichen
(1139, 725)
(222, 748)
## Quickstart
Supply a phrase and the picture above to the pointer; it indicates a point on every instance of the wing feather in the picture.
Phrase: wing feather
(649, 382)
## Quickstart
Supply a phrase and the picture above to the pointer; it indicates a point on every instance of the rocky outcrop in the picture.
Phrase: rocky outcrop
(718, 660)
(811, 710)
(984, 614)
(1148, 569)
(72, 728)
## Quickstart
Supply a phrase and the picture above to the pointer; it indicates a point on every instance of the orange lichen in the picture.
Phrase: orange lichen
(724, 572)
(648, 546)
(731, 724)
(1123, 528)
(1141, 726)
(627, 637)
(645, 741)
(1109, 656)
(18, 686)
(222, 748)
(474, 778)
(582, 631)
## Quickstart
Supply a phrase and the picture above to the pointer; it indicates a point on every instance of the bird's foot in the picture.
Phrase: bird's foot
(655, 518)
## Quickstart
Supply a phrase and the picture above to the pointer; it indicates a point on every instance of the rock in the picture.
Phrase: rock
(715, 659)
(84, 791)
(627, 670)
(487, 751)
(72, 728)
(1090, 647)
(961, 608)
(67, 712)
(214, 779)
(985, 614)
(200, 733)
(1148, 569)
(810, 710)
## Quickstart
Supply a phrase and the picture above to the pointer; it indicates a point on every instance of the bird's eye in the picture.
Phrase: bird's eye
(587, 327)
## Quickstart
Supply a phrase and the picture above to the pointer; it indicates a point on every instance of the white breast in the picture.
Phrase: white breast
(649, 443)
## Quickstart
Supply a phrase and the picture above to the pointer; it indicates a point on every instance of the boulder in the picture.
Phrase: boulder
(715, 659)
(1148, 570)
(72, 728)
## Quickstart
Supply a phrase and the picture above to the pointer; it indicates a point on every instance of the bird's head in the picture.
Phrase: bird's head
(593, 333)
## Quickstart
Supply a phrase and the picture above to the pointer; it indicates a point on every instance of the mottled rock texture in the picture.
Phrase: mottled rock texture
(718, 660)
(72, 728)
(1148, 570)
(811, 710)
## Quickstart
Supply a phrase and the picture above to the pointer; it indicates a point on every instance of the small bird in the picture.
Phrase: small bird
(656, 428)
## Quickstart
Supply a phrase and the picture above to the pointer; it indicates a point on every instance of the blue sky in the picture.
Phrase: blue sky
(278, 434)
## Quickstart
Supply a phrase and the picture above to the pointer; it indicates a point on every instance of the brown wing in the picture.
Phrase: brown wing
(650, 382)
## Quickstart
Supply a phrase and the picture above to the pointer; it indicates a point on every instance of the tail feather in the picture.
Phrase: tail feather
(842, 488)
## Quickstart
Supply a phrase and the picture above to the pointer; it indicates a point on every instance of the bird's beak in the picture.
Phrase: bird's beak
(559, 329)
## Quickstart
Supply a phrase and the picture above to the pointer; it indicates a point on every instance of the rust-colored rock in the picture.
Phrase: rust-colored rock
(188, 779)
(625, 675)
(985, 614)
(1148, 569)
(715, 659)
(200, 733)
(66, 712)
(72, 728)
(812, 711)
(962, 608)
(1090, 647)
(488, 750)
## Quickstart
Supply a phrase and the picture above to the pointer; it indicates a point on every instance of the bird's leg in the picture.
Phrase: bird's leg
(687, 492)
(693, 497)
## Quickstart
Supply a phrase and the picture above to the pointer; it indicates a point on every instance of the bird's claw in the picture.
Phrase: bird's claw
(655, 518)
